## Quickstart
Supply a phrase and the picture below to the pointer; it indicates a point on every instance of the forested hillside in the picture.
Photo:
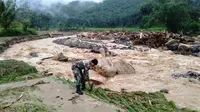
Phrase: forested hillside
(112, 13)
(175, 15)
(55, 16)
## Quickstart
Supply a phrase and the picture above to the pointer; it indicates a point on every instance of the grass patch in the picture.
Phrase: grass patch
(134, 101)
(16, 91)
(13, 70)
(12, 93)
(132, 29)
(17, 32)
(29, 107)
(28, 103)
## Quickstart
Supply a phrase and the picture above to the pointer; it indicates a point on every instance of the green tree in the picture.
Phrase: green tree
(16, 24)
(24, 11)
(7, 13)
(176, 15)
(40, 21)
(26, 24)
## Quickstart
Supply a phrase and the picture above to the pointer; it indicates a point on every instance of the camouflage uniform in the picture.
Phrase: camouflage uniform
(81, 72)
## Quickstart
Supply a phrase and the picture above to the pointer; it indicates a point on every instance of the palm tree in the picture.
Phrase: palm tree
(7, 13)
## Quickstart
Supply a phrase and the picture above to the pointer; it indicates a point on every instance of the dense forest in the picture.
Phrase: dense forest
(175, 15)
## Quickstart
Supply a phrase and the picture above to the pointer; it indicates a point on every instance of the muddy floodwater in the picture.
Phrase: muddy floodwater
(153, 68)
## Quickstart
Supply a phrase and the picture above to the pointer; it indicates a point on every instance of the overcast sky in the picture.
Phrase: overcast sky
(49, 2)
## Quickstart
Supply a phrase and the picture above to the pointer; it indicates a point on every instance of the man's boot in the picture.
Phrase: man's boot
(78, 90)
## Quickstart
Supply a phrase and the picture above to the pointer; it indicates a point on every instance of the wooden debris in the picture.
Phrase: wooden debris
(18, 99)
(39, 83)
(73, 99)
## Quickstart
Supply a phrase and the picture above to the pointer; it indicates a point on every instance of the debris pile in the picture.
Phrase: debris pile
(25, 38)
(59, 57)
(80, 44)
(94, 47)
(151, 39)
(184, 47)
(176, 42)
(189, 75)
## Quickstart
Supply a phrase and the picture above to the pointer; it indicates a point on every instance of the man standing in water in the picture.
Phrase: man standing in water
(81, 73)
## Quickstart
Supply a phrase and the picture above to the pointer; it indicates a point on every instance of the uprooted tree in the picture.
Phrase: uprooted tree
(7, 13)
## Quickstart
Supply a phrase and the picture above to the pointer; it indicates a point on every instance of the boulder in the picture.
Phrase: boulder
(190, 75)
(95, 49)
(196, 48)
(96, 76)
(111, 53)
(63, 60)
(112, 67)
(198, 54)
(164, 91)
(173, 47)
(184, 48)
(33, 54)
(102, 51)
(98, 48)
(172, 44)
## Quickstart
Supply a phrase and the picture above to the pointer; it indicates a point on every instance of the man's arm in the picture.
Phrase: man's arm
(86, 73)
